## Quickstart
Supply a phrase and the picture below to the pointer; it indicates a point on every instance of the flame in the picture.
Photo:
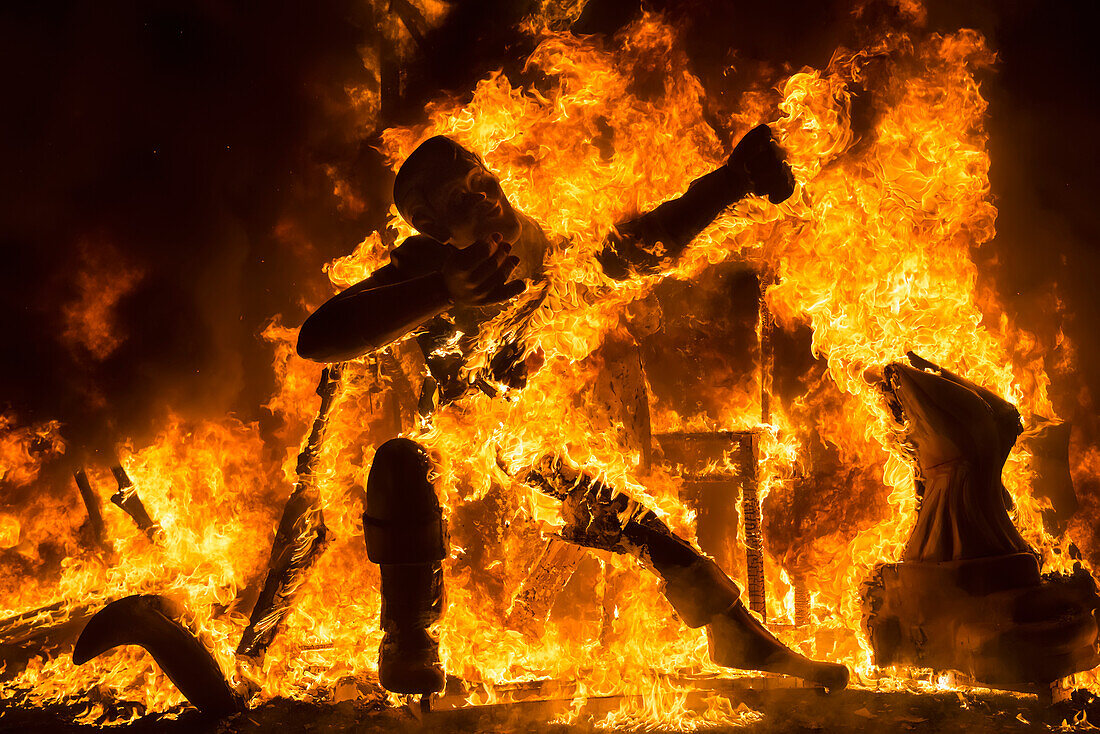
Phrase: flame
(104, 279)
(9, 531)
(23, 449)
(873, 253)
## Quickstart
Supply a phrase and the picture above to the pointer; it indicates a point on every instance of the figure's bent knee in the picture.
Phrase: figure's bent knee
(403, 522)
(399, 483)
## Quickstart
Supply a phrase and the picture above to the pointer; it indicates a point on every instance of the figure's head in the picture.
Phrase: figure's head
(446, 192)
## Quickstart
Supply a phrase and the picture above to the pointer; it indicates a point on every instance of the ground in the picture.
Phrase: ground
(789, 710)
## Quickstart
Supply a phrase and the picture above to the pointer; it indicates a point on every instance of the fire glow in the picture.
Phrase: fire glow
(873, 253)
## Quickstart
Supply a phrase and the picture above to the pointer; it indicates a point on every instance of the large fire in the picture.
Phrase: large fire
(873, 253)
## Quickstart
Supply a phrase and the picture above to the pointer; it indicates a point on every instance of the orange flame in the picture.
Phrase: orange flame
(873, 253)
(102, 282)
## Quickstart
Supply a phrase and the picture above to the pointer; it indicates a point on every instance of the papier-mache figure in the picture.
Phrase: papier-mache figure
(474, 254)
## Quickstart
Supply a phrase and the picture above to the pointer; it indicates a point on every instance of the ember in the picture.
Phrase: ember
(622, 392)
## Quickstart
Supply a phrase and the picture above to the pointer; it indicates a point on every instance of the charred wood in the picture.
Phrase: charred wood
(750, 498)
(551, 572)
(128, 500)
(44, 631)
(766, 326)
(801, 602)
(301, 537)
(754, 550)
(620, 391)
(38, 626)
(412, 19)
(613, 583)
(715, 469)
(95, 527)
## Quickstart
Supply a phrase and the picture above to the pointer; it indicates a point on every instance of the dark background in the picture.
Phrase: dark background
(189, 142)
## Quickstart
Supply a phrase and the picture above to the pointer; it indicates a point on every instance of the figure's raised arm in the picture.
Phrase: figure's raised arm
(655, 240)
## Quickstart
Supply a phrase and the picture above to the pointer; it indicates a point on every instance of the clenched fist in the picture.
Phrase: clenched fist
(759, 164)
(478, 275)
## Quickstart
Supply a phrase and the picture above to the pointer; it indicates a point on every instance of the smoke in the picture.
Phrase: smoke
(1044, 260)
(165, 195)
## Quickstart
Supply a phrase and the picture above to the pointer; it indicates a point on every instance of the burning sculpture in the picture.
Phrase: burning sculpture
(447, 191)
(967, 594)
(872, 253)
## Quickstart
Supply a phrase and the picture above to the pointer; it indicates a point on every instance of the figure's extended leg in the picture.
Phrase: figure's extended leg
(701, 593)
(406, 535)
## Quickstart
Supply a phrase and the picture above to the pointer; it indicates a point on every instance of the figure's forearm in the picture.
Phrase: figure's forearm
(679, 221)
(656, 239)
(349, 326)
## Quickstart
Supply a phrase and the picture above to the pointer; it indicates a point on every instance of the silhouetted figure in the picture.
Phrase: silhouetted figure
(475, 253)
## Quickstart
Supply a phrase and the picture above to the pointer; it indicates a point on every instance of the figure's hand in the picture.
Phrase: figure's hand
(478, 274)
(759, 162)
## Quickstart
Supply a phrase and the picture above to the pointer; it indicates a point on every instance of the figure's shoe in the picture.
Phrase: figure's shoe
(408, 662)
(737, 639)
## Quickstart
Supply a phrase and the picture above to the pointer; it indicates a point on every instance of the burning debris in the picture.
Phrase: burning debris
(967, 594)
(548, 511)
(96, 529)
(300, 538)
(128, 500)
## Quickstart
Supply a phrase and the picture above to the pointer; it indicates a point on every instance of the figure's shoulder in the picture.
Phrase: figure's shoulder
(419, 255)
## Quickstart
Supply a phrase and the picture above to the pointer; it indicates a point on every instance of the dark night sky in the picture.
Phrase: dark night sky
(187, 141)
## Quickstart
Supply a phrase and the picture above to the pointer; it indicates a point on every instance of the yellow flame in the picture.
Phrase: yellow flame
(873, 253)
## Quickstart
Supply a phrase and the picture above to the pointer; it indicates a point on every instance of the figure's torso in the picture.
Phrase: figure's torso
(418, 256)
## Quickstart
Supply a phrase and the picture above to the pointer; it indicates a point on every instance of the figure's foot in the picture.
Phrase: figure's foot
(163, 628)
(738, 640)
(408, 662)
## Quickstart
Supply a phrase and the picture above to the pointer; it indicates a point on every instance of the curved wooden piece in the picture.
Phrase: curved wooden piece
(155, 623)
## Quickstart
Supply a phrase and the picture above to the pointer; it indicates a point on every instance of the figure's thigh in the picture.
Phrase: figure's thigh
(403, 521)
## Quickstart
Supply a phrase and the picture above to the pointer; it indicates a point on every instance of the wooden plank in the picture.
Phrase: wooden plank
(551, 572)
